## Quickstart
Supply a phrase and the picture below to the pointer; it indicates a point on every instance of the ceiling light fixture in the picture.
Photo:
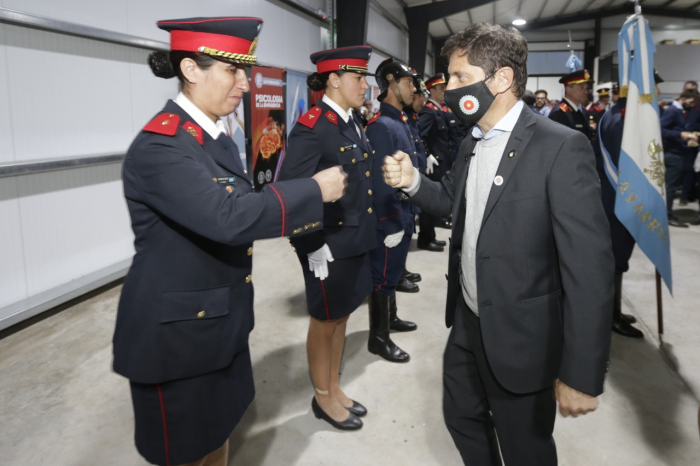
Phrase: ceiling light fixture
(519, 22)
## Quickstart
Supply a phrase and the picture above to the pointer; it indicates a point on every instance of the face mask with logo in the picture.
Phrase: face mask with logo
(470, 103)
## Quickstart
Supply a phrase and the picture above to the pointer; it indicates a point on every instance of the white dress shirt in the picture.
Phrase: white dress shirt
(213, 129)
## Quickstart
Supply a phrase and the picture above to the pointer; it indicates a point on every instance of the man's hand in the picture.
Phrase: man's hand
(398, 170)
(572, 402)
(332, 182)
(689, 135)
(431, 163)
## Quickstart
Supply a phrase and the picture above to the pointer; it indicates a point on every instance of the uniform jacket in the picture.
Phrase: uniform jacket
(187, 303)
(414, 127)
(319, 140)
(611, 134)
(673, 123)
(434, 131)
(455, 134)
(544, 260)
(577, 120)
(388, 132)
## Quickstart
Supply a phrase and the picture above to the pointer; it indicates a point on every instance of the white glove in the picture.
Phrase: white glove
(432, 162)
(393, 240)
(318, 262)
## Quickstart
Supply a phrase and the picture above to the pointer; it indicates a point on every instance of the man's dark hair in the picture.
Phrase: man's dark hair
(491, 47)
(689, 94)
(529, 98)
(542, 91)
(694, 83)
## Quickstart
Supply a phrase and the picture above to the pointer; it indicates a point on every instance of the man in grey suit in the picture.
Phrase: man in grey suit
(530, 282)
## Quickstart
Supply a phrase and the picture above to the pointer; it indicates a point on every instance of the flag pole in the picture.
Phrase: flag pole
(659, 308)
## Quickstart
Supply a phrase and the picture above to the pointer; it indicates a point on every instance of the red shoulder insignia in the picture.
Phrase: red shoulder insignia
(165, 123)
(374, 118)
(332, 117)
(563, 107)
(404, 117)
(432, 105)
(415, 117)
(310, 118)
(195, 131)
(622, 112)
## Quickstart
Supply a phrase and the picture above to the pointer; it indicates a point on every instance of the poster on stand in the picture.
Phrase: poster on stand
(297, 97)
(267, 123)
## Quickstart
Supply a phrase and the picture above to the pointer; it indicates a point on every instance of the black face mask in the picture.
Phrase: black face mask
(687, 106)
(470, 103)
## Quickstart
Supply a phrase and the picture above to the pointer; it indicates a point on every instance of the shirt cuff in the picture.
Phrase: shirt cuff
(413, 189)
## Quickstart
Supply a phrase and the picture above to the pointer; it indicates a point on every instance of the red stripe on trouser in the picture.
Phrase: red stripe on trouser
(386, 260)
(325, 301)
(165, 427)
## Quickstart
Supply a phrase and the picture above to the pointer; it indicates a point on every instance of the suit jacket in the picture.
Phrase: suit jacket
(320, 140)
(673, 123)
(544, 260)
(187, 304)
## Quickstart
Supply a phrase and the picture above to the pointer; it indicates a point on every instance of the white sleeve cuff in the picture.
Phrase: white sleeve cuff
(413, 189)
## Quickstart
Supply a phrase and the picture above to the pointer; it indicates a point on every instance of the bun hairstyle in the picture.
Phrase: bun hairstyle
(319, 81)
(166, 65)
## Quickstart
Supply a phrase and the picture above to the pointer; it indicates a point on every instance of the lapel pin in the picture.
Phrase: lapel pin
(498, 180)
(512, 153)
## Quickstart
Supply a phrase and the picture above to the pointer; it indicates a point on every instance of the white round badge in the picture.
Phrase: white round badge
(498, 180)
(469, 104)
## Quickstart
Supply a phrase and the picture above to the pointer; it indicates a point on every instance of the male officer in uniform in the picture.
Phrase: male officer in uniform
(408, 281)
(388, 132)
(434, 132)
(569, 112)
(610, 128)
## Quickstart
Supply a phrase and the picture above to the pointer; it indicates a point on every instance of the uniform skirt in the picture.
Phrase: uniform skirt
(183, 420)
(348, 283)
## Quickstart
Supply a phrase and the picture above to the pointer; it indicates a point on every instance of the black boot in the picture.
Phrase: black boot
(621, 322)
(407, 286)
(379, 342)
(397, 324)
(414, 277)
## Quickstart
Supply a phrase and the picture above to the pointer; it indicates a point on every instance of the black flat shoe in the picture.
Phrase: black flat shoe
(440, 243)
(407, 286)
(411, 276)
(357, 409)
(351, 423)
(402, 325)
(628, 318)
(626, 330)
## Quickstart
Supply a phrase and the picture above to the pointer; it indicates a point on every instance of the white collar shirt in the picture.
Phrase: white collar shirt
(213, 129)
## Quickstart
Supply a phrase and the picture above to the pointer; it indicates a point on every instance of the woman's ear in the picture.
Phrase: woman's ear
(189, 70)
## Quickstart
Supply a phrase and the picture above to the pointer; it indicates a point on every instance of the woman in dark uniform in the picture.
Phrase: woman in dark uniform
(186, 309)
(334, 261)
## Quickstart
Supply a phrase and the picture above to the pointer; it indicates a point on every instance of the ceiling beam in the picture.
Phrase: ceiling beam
(444, 20)
(433, 11)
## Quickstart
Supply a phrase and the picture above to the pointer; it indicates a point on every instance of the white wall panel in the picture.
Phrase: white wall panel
(68, 94)
(74, 222)
(148, 95)
(383, 34)
(13, 286)
(100, 14)
(142, 16)
(7, 152)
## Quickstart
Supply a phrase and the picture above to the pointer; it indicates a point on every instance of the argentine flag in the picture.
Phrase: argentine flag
(639, 178)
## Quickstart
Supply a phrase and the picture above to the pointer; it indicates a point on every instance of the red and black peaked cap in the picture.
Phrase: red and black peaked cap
(435, 80)
(354, 59)
(226, 38)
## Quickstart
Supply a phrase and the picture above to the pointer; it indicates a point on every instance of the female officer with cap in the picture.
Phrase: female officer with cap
(186, 309)
(335, 260)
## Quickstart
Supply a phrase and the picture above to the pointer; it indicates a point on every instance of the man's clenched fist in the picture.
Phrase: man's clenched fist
(398, 170)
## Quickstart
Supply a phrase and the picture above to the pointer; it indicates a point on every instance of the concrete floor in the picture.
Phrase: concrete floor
(60, 404)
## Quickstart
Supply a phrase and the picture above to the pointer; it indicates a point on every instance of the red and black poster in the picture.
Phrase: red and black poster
(267, 123)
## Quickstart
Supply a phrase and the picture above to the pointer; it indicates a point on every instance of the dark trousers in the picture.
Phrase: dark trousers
(674, 178)
(426, 223)
(388, 264)
(689, 177)
(481, 415)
